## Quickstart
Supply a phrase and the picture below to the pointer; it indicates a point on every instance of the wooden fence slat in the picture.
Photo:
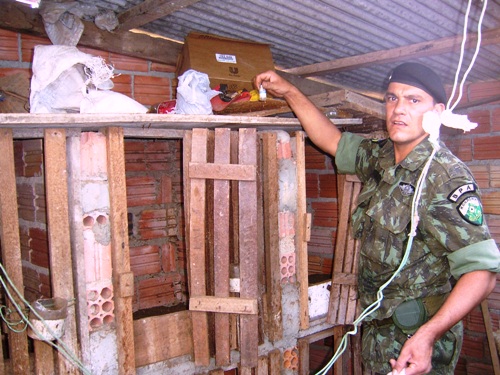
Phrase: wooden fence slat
(197, 259)
(224, 306)
(61, 269)
(222, 155)
(248, 248)
(11, 246)
(123, 281)
(273, 316)
(343, 295)
(301, 237)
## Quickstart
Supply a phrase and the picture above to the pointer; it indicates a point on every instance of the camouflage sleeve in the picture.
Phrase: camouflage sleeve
(479, 256)
(454, 222)
(347, 150)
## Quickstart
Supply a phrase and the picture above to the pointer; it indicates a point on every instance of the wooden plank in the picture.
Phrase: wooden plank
(11, 248)
(300, 238)
(77, 246)
(343, 294)
(227, 305)
(222, 155)
(491, 338)
(23, 19)
(162, 337)
(263, 366)
(273, 316)
(186, 157)
(122, 282)
(429, 48)
(197, 258)
(303, 348)
(222, 171)
(275, 362)
(148, 11)
(44, 357)
(61, 265)
(248, 248)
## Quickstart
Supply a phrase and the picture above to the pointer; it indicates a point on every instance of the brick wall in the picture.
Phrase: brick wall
(154, 188)
(157, 254)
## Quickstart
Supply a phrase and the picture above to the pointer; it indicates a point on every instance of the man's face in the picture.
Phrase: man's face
(405, 107)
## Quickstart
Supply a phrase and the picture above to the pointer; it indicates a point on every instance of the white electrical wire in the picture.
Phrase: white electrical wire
(58, 344)
(418, 189)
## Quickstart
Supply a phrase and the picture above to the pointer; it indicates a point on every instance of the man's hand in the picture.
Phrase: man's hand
(415, 357)
(276, 85)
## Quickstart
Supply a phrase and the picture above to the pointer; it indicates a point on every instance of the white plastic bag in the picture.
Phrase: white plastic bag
(78, 82)
(194, 94)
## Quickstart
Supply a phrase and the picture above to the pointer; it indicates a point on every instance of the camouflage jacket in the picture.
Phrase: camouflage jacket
(452, 237)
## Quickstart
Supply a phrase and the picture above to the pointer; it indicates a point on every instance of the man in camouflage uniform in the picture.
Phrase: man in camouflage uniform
(418, 325)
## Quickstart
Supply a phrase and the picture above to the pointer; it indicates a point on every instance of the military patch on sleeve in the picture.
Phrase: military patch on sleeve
(471, 210)
(461, 190)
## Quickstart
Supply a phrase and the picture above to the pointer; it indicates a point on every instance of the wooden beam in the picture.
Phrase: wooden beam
(197, 248)
(249, 330)
(61, 267)
(423, 49)
(123, 281)
(150, 10)
(221, 227)
(162, 337)
(23, 19)
(228, 305)
(300, 238)
(222, 171)
(11, 249)
(270, 188)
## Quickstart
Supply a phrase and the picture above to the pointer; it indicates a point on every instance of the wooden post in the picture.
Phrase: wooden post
(273, 316)
(123, 278)
(11, 247)
(197, 248)
(61, 265)
(301, 234)
(221, 246)
(248, 248)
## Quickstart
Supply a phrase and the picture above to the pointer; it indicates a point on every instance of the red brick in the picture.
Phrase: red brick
(491, 203)
(142, 191)
(483, 90)
(28, 43)
(168, 257)
(495, 176)
(123, 84)
(328, 186)
(494, 226)
(145, 260)
(151, 90)
(325, 214)
(486, 148)
(312, 185)
(133, 64)
(473, 346)
(8, 46)
(482, 175)
(157, 67)
(316, 159)
(321, 241)
(461, 146)
(495, 120)
(483, 120)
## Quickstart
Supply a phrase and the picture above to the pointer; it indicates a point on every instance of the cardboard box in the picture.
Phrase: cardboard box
(226, 61)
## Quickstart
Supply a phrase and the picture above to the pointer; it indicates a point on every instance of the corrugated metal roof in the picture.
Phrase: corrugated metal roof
(311, 31)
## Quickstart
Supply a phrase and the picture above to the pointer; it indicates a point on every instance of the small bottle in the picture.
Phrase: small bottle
(262, 94)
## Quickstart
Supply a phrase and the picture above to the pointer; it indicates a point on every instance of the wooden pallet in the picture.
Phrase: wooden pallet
(215, 212)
